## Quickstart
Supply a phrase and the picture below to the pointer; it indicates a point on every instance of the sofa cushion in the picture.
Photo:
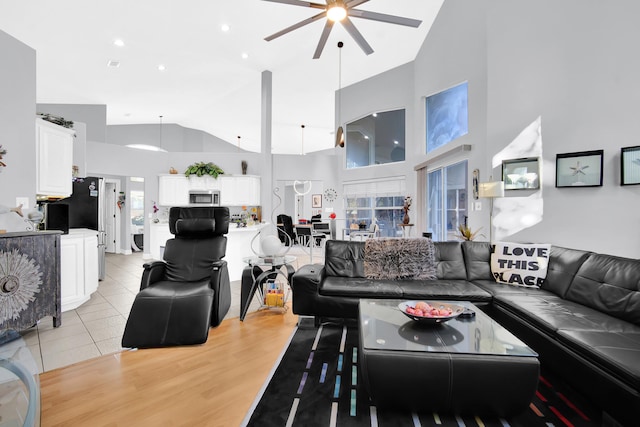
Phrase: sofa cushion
(399, 258)
(344, 258)
(523, 264)
(450, 261)
(359, 287)
(610, 285)
(458, 290)
(563, 266)
(477, 259)
(549, 312)
(617, 353)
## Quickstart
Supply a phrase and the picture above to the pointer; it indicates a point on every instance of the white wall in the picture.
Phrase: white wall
(17, 120)
(570, 64)
(92, 115)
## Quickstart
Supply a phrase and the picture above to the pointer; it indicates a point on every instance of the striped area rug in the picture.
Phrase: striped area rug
(316, 383)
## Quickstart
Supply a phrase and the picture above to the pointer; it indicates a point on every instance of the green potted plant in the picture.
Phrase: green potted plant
(202, 169)
(465, 233)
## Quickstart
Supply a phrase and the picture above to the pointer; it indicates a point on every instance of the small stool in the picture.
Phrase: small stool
(167, 315)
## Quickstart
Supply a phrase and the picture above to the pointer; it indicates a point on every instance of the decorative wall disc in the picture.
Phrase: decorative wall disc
(330, 194)
(20, 280)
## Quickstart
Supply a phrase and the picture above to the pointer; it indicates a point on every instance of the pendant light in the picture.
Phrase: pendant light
(160, 131)
(302, 144)
(340, 131)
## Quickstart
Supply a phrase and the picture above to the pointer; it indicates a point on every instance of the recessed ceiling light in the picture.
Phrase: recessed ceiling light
(245, 55)
(225, 27)
(118, 42)
(113, 63)
(161, 67)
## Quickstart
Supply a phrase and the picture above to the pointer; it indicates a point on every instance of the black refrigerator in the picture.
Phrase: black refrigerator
(86, 210)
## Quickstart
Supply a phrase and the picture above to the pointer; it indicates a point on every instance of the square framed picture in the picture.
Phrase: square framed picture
(316, 201)
(521, 174)
(630, 166)
(582, 169)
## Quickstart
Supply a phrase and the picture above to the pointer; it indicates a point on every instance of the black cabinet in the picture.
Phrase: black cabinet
(29, 278)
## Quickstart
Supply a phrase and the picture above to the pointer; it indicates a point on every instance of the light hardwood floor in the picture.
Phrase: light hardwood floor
(213, 384)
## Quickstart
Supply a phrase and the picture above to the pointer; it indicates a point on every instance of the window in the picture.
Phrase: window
(376, 139)
(447, 200)
(387, 211)
(447, 116)
(137, 208)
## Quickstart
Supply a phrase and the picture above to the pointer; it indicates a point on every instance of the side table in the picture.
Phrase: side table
(258, 273)
(406, 229)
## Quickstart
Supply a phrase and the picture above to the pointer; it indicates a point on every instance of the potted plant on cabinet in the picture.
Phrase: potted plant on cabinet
(202, 168)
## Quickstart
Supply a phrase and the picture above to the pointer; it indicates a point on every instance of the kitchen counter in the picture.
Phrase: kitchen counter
(238, 245)
(79, 267)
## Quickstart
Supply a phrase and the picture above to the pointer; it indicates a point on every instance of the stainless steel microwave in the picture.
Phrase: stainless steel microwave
(204, 198)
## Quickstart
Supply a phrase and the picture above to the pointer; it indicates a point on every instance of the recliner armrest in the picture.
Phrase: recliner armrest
(220, 284)
(153, 272)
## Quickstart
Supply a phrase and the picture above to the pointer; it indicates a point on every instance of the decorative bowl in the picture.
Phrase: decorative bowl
(455, 311)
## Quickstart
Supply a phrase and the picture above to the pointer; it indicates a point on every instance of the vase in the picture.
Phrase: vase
(406, 218)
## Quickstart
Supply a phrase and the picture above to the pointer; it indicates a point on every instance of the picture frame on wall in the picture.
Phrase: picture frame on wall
(316, 201)
(580, 169)
(521, 174)
(630, 165)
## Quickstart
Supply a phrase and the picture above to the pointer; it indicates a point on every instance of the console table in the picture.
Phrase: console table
(29, 278)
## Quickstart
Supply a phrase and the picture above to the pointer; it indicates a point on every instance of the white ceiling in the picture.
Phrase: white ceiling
(207, 85)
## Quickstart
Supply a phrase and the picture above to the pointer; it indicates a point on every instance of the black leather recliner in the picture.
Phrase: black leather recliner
(189, 291)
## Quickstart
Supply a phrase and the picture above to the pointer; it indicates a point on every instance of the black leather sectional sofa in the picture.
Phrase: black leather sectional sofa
(584, 321)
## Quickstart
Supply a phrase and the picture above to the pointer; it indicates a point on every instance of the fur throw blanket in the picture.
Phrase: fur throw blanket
(399, 258)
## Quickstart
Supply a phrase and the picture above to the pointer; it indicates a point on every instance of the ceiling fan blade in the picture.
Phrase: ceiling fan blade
(354, 3)
(300, 3)
(353, 31)
(391, 19)
(323, 38)
(296, 26)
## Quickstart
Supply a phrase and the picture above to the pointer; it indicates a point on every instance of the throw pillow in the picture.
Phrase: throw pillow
(520, 264)
(399, 258)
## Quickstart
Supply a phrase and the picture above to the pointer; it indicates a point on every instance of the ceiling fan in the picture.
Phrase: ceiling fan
(341, 11)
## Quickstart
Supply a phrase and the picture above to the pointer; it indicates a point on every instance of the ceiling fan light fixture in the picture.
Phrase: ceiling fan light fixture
(337, 12)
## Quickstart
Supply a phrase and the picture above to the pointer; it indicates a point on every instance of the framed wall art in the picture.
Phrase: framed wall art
(630, 166)
(582, 169)
(521, 174)
(316, 201)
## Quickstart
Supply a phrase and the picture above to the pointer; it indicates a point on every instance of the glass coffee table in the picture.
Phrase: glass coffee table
(466, 365)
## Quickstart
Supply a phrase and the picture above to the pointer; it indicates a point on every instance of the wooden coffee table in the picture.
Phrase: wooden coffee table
(466, 365)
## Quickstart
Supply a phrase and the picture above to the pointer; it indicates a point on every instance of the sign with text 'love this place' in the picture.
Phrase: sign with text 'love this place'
(520, 264)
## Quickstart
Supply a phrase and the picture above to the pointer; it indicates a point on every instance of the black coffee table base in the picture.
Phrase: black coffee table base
(447, 382)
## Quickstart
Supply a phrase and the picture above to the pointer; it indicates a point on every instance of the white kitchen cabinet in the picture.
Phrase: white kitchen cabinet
(204, 183)
(78, 267)
(235, 190)
(158, 235)
(241, 190)
(173, 190)
(54, 159)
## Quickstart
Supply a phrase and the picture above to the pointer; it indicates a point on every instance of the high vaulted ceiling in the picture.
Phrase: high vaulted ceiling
(207, 84)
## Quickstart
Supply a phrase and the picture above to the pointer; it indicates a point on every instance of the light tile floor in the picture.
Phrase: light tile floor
(96, 327)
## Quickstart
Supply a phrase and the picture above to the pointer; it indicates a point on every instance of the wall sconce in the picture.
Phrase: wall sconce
(491, 190)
